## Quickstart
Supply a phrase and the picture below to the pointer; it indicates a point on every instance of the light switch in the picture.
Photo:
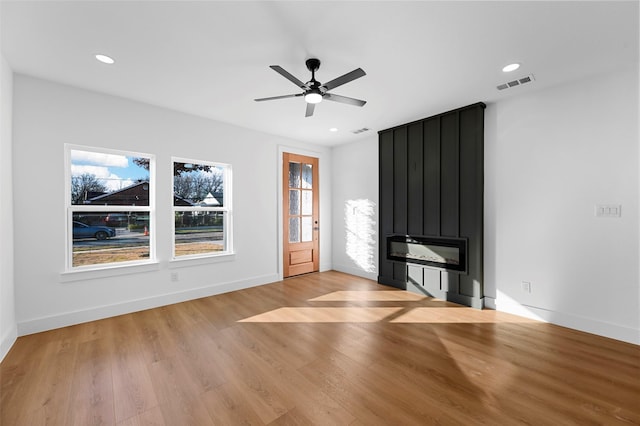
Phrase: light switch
(608, 210)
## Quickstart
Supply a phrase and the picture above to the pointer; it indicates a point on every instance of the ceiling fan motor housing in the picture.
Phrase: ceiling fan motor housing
(313, 64)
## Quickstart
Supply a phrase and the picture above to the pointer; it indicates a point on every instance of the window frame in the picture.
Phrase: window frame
(70, 209)
(226, 209)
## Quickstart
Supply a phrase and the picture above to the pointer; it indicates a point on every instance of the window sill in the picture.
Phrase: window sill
(108, 271)
(201, 260)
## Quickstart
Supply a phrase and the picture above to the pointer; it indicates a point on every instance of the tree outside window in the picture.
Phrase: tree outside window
(109, 203)
(201, 208)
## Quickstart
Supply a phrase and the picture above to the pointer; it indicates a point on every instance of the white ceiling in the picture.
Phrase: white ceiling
(211, 58)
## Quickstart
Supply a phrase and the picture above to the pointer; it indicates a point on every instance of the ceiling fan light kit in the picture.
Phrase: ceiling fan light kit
(314, 91)
(313, 97)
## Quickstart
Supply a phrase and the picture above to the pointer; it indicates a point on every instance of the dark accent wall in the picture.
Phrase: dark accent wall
(431, 184)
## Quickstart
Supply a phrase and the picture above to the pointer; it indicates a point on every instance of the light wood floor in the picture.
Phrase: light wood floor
(324, 349)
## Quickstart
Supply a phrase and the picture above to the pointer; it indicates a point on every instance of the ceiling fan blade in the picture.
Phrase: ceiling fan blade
(310, 108)
(288, 76)
(278, 97)
(350, 76)
(344, 99)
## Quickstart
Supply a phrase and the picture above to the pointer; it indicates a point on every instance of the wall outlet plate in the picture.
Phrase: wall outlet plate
(608, 210)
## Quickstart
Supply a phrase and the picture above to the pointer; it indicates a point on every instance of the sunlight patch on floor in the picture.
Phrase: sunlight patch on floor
(390, 314)
(325, 314)
(433, 315)
(368, 296)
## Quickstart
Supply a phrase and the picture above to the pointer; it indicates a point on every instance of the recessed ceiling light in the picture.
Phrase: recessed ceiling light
(105, 59)
(511, 67)
(333, 129)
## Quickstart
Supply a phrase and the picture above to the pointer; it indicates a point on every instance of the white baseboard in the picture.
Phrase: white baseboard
(8, 339)
(77, 317)
(355, 271)
(325, 267)
(588, 325)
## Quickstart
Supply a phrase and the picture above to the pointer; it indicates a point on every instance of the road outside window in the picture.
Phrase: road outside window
(109, 208)
(201, 208)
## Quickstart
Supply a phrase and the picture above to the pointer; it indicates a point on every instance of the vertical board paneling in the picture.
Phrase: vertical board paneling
(431, 183)
(450, 282)
(431, 186)
(415, 204)
(400, 190)
(449, 175)
(400, 184)
(385, 201)
(414, 275)
(432, 282)
(471, 196)
(400, 272)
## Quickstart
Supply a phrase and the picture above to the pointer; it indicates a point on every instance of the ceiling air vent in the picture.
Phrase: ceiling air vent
(364, 129)
(520, 81)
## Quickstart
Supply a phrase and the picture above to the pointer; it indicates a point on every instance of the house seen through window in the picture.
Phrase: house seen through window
(201, 208)
(110, 201)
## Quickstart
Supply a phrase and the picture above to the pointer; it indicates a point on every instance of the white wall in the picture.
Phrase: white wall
(355, 207)
(8, 329)
(551, 156)
(48, 115)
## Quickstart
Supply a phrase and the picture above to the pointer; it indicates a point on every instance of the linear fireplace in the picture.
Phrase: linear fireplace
(440, 252)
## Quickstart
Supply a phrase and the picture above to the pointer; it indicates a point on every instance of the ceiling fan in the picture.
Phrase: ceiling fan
(314, 91)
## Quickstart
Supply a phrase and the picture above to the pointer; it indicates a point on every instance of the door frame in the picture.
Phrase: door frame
(322, 160)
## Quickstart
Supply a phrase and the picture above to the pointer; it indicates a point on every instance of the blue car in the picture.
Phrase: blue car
(82, 230)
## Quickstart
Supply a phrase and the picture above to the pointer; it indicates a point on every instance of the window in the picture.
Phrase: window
(201, 209)
(110, 203)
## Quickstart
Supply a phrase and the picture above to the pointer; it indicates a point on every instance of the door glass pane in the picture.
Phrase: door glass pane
(294, 229)
(294, 175)
(307, 202)
(307, 229)
(307, 176)
(294, 201)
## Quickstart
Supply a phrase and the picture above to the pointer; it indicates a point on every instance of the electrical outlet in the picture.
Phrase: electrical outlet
(174, 276)
(608, 210)
(526, 286)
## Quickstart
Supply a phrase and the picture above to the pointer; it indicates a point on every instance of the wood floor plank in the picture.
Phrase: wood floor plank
(157, 342)
(50, 386)
(132, 386)
(372, 402)
(178, 395)
(227, 405)
(253, 378)
(318, 407)
(91, 399)
(193, 344)
(18, 376)
(151, 417)
(319, 349)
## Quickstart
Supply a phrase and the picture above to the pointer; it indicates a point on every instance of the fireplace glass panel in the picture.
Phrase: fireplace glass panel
(426, 252)
(446, 253)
